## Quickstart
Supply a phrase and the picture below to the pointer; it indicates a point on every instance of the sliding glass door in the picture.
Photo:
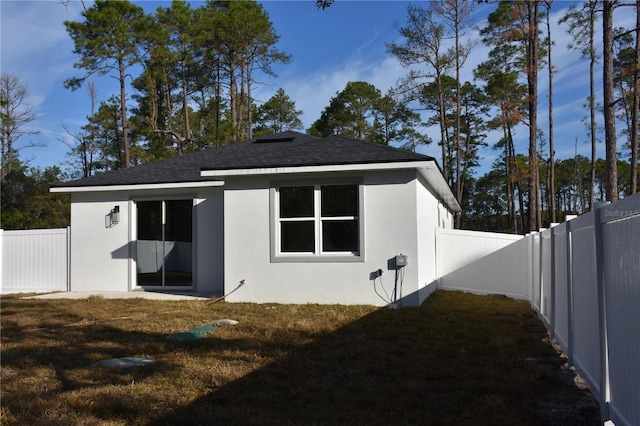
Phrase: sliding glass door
(164, 246)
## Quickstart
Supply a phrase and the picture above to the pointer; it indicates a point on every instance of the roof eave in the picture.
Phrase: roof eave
(135, 187)
(399, 165)
(433, 176)
(428, 169)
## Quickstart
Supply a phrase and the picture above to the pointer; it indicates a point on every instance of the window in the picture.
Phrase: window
(317, 220)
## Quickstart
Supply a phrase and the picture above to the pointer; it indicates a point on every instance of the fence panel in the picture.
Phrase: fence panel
(621, 244)
(586, 345)
(468, 247)
(484, 263)
(561, 287)
(545, 276)
(35, 260)
(534, 266)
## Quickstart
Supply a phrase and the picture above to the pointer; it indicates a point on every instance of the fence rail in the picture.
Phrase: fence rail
(34, 260)
(583, 278)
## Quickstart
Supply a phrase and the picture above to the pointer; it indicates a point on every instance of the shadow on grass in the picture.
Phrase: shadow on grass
(459, 359)
(439, 364)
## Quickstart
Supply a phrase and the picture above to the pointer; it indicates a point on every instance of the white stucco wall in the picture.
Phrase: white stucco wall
(390, 213)
(103, 258)
(209, 241)
(99, 255)
(431, 215)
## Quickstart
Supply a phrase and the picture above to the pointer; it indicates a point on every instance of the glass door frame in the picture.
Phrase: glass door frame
(163, 199)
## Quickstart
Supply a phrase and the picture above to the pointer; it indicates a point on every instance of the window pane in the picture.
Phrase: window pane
(339, 200)
(179, 220)
(150, 220)
(296, 201)
(297, 237)
(340, 235)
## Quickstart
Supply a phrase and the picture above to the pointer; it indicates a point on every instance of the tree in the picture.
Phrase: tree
(84, 152)
(109, 39)
(552, 153)
(26, 202)
(107, 134)
(15, 114)
(582, 28)
(457, 16)
(532, 82)
(611, 184)
(461, 145)
(635, 116)
(170, 73)
(516, 24)
(351, 112)
(626, 89)
(399, 124)
(240, 40)
(504, 92)
(424, 39)
(277, 114)
(472, 139)
(488, 205)
(323, 4)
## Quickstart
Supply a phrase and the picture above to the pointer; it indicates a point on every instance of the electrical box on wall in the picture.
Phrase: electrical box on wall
(402, 260)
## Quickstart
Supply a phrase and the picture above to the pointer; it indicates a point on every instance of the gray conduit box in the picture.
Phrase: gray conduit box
(402, 260)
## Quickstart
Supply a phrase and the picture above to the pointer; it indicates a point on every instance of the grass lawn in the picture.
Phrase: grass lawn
(459, 359)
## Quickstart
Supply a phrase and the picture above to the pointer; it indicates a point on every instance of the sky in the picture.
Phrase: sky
(329, 48)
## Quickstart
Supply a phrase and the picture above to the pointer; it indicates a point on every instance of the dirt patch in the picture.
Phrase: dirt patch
(584, 409)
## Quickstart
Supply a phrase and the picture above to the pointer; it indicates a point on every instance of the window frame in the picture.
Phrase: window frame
(318, 254)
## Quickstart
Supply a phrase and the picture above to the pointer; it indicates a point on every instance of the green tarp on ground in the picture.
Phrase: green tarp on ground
(194, 333)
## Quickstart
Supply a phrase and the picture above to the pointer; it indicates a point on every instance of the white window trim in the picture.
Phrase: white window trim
(318, 254)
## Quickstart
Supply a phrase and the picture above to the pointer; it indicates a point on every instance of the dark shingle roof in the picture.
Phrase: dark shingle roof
(287, 149)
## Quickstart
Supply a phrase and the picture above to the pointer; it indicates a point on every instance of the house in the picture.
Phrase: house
(300, 219)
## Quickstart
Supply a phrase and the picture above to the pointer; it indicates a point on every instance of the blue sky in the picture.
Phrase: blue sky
(346, 42)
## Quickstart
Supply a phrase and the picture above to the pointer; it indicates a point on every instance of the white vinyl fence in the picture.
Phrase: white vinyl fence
(34, 260)
(583, 278)
(463, 264)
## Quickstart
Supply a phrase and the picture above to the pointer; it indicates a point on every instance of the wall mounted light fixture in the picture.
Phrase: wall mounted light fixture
(114, 215)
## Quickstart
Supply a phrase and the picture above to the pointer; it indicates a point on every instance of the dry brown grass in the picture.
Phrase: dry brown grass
(459, 359)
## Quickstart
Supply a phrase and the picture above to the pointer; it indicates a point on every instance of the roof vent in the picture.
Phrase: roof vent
(275, 138)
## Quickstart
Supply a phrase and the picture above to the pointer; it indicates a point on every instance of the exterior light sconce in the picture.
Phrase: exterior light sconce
(114, 215)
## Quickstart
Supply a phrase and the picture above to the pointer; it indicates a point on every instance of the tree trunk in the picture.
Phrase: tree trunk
(552, 166)
(511, 172)
(592, 101)
(185, 109)
(249, 102)
(532, 83)
(443, 136)
(233, 97)
(611, 173)
(459, 180)
(123, 114)
(636, 108)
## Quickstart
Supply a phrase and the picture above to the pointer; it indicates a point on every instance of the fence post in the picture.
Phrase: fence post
(437, 268)
(535, 269)
(543, 305)
(552, 286)
(604, 351)
(569, 265)
(1, 258)
(529, 238)
(68, 258)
